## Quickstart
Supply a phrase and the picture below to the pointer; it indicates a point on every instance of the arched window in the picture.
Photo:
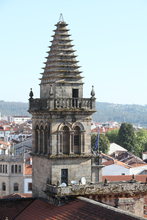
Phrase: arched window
(45, 140)
(12, 168)
(66, 140)
(41, 139)
(16, 187)
(77, 140)
(36, 139)
(19, 169)
(3, 186)
(15, 168)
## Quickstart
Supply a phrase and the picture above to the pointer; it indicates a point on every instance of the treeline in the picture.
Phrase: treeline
(13, 108)
(134, 114)
(135, 141)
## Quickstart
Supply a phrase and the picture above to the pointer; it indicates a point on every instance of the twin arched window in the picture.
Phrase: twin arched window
(42, 139)
(70, 140)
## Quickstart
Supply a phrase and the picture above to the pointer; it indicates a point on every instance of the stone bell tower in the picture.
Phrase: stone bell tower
(61, 119)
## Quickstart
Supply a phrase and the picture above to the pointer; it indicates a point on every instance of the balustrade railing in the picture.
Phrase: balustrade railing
(62, 103)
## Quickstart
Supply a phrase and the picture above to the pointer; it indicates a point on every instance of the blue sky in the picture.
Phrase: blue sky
(110, 37)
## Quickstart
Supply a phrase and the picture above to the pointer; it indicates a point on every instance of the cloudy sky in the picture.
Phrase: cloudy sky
(110, 37)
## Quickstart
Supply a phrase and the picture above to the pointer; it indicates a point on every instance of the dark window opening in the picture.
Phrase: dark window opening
(77, 140)
(12, 169)
(75, 95)
(19, 169)
(3, 186)
(0, 168)
(16, 187)
(29, 186)
(66, 140)
(64, 176)
(15, 168)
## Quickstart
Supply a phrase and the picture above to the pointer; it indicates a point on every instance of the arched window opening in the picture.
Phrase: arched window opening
(3, 186)
(12, 168)
(77, 140)
(66, 140)
(19, 169)
(36, 139)
(16, 187)
(41, 139)
(15, 168)
(45, 140)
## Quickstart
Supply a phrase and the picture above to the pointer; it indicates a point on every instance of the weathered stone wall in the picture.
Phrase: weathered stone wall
(49, 171)
(59, 90)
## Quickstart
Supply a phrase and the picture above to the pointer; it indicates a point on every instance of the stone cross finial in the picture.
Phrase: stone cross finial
(61, 19)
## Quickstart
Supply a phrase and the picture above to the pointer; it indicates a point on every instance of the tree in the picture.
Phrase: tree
(141, 142)
(104, 143)
(112, 136)
(126, 137)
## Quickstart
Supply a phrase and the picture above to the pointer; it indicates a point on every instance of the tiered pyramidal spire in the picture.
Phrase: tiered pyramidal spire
(61, 65)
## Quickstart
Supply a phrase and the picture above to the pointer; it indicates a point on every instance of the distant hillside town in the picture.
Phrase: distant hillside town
(16, 162)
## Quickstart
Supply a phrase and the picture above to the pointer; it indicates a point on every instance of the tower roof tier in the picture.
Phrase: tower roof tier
(61, 62)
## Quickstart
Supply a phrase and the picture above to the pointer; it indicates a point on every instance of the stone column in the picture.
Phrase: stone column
(82, 142)
(38, 151)
(59, 150)
(61, 143)
(72, 142)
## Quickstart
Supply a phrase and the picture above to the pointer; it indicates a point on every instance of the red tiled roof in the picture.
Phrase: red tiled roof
(102, 130)
(79, 209)
(110, 162)
(17, 195)
(119, 178)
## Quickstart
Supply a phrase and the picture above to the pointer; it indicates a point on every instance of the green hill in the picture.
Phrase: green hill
(135, 114)
(13, 108)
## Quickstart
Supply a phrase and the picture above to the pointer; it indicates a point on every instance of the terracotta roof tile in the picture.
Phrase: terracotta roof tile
(119, 178)
(17, 195)
(79, 209)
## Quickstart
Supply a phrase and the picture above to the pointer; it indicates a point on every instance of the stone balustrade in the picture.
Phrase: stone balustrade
(62, 103)
(99, 189)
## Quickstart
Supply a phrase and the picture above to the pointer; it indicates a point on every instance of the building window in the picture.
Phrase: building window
(66, 140)
(3, 186)
(77, 140)
(36, 139)
(19, 169)
(29, 186)
(16, 187)
(3, 168)
(0, 168)
(6, 169)
(15, 168)
(41, 139)
(12, 168)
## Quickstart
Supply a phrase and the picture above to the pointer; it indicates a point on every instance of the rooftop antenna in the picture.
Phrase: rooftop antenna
(61, 19)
